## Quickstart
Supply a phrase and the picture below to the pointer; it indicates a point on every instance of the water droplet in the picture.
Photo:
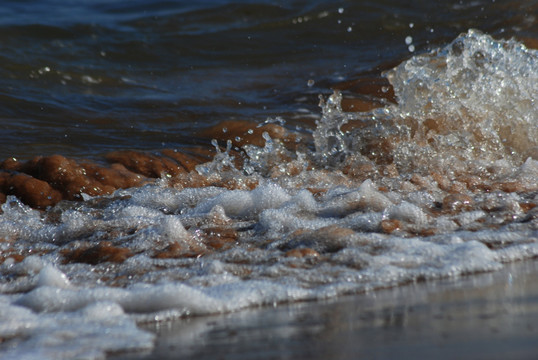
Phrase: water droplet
(43, 70)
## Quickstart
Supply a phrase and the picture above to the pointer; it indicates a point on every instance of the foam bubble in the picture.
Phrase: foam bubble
(51, 276)
(172, 228)
(242, 203)
(407, 212)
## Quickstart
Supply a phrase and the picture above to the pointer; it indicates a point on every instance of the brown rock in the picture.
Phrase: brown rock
(4, 181)
(146, 164)
(420, 181)
(526, 206)
(390, 171)
(44, 181)
(317, 192)
(73, 179)
(511, 186)
(96, 254)
(442, 181)
(428, 232)
(457, 202)
(302, 252)
(471, 182)
(34, 192)
(189, 161)
(64, 175)
(11, 164)
(359, 170)
(219, 237)
(456, 187)
(176, 251)
(16, 257)
(388, 226)
(113, 178)
(58, 171)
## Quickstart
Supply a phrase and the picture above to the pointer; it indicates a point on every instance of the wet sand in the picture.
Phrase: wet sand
(484, 316)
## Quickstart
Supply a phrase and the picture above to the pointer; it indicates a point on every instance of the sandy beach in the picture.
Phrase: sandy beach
(485, 316)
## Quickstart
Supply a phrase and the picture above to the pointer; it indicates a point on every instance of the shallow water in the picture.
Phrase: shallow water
(434, 177)
(85, 77)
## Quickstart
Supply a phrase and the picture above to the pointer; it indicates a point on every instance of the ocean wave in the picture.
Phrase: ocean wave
(440, 184)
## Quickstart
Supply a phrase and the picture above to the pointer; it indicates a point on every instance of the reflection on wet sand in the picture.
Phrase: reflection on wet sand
(487, 316)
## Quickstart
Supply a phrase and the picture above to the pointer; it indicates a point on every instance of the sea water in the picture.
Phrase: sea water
(442, 183)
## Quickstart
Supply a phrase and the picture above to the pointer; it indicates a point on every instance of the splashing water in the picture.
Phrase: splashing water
(329, 139)
(222, 161)
(471, 102)
(479, 89)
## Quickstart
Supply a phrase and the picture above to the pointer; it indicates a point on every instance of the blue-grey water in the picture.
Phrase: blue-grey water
(81, 78)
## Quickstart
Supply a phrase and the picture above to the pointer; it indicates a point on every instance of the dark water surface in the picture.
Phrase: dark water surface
(84, 77)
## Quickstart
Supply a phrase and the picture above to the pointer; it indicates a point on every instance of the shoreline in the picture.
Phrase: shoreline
(482, 316)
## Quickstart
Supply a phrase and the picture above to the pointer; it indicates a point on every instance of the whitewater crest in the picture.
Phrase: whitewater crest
(441, 184)
(469, 103)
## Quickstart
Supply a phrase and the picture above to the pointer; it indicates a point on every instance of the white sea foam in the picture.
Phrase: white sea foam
(88, 333)
(433, 203)
(50, 276)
